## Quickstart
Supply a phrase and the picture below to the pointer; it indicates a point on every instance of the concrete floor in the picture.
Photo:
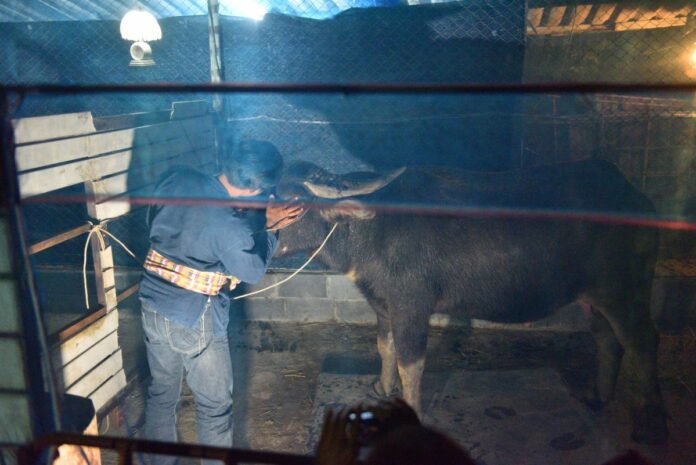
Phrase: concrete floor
(282, 372)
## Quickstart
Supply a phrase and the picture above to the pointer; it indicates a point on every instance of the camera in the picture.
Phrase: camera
(369, 428)
(364, 416)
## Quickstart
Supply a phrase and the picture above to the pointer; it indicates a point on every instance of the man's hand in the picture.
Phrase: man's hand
(279, 216)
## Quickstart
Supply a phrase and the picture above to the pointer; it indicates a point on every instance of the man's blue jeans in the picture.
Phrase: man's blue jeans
(173, 350)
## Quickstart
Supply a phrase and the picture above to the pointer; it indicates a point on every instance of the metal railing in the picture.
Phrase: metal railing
(126, 448)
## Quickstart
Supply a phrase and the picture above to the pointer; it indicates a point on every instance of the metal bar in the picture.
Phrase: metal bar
(182, 450)
(125, 455)
(646, 154)
(554, 102)
(35, 351)
(58, 239)
(600, 87)
(5, 335)
(216, 74)
(128, 292)
(15, 391)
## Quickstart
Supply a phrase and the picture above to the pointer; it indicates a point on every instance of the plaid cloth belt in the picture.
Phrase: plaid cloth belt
(203, 282)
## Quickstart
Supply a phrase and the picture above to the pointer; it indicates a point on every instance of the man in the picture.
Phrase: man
(198, 251)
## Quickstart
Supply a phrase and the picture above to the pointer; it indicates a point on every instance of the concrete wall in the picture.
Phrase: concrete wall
(328, 297)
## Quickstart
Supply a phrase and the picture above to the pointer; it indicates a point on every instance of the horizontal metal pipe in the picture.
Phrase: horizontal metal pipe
(182, 450)
(371, 88)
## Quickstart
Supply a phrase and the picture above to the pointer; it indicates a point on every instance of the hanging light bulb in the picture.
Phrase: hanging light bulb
(141, 27)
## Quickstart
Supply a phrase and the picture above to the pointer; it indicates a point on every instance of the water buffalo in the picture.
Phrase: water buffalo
(500, 267)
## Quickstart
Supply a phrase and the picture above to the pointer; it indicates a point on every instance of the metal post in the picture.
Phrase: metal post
(216, 74)
(43, 413)
(125, 454)
(646, 153)
(216, 71)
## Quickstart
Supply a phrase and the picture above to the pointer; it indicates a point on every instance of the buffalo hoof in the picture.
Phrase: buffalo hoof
(377, 391)
(650, 426)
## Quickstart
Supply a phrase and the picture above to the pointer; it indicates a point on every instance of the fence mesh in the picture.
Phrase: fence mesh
(650, 137)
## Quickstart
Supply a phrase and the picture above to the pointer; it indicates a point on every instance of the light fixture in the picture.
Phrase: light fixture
(141, 27)
(692, 58)
(251, 9)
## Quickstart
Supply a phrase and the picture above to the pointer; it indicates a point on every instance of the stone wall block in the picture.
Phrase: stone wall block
(310, 309)
(265, 309)
(340, 288)
(304, 286)
(355, 311)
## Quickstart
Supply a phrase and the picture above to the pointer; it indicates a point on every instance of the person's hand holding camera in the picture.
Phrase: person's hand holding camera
(338, 443)
(348, 430)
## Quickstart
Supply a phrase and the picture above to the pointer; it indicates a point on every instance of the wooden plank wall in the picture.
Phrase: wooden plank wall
(569, 19)
(119, 160)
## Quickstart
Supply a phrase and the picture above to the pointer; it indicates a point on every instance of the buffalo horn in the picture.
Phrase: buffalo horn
(347, 187)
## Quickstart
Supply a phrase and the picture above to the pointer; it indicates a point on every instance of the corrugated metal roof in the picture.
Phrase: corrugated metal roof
(86, 10)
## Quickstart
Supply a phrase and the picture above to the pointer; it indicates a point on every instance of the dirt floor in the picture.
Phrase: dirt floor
(277, 368)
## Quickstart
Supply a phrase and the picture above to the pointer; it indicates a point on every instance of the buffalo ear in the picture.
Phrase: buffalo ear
(347, 210)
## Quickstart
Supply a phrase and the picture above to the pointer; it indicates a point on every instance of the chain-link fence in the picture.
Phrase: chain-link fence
(649, 136)
(486, 41)
(482, 41)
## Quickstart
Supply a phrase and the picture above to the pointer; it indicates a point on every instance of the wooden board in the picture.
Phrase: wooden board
(50, 179)
(603, 17)
(98, 375)
(604, 14)
(120, 204)
(534, 16)
(85, 362)
(110, 389)
(580, 16)
(138, 177)
(555, 16)
(88, 337)
(41, 128)
(53, 152)
(642, 19)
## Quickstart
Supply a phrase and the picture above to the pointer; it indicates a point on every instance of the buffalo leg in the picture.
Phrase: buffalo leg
(410, 341)
(637, 335)
(385, 344)
(387, 352)
(609, 353)
(411, 375)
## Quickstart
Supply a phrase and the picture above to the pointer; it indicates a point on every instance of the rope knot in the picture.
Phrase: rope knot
(98, 230)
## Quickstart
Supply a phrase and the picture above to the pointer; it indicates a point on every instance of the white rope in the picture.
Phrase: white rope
(316, 252)
(99, 231)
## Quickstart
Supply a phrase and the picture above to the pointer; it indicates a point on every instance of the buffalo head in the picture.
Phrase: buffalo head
(330, 198)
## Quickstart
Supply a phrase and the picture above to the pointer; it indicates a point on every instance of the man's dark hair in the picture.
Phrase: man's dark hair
(253, 164)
